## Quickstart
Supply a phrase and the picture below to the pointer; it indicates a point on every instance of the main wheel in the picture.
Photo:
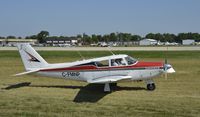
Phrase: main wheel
(151, 87)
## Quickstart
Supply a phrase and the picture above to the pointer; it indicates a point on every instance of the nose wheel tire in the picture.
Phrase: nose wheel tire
(151, 87)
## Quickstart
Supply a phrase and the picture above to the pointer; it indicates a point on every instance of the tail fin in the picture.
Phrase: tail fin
(30, 58)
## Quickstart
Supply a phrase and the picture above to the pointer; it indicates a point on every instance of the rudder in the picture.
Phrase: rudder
(30, 58)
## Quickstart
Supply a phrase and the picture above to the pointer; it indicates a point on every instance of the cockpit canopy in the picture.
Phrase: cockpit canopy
(110, 61)
(118, 61)
(123, 61)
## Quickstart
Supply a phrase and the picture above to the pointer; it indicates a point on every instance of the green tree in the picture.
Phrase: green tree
(42, 36)
(94, 38)
(150, 36)
(113, 37)
(196, 36)
(126, 37)
(159, 37)
(79, 36)
(182, 36)
(31, 37)
(11, 37)
(86, 39)
(135, 37)
(2, 37)
(106, 38)
(120, 37)
(99, 38)
(167, 37)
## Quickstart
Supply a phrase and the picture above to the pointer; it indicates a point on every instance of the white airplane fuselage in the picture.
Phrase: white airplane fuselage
(87, 73)
(102, 70)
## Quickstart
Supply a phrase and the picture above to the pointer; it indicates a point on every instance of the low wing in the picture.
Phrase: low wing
(109, 79)
(27, 72)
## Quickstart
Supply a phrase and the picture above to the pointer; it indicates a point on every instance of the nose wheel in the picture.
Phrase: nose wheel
(151, 87)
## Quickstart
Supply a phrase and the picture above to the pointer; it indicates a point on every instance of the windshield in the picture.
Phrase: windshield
(130, 60)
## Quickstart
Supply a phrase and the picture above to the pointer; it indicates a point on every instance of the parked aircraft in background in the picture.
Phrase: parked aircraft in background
(108, 70)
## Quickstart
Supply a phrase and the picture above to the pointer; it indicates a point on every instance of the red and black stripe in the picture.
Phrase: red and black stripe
(137, 66)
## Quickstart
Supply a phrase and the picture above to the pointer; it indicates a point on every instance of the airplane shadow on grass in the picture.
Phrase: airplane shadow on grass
(90, 93)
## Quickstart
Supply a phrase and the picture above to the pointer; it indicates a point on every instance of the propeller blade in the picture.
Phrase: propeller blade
(165, 69)
(165, 61)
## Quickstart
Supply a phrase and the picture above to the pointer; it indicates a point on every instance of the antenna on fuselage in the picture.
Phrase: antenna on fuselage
(80, 55)
(109, 49)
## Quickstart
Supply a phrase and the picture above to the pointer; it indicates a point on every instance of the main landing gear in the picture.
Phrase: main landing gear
(108, 87)
(150, 85)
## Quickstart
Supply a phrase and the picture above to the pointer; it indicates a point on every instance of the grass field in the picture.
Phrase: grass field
(179, 95)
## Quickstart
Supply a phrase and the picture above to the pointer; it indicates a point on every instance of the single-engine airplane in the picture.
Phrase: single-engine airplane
(108, 70)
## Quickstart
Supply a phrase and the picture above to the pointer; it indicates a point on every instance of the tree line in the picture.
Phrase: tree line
(167, 37)
(114, 37)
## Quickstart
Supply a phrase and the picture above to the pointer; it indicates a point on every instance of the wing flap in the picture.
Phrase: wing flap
(109, 79)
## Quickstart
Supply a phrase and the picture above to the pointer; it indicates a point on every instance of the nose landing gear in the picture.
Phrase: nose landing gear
(150, 85)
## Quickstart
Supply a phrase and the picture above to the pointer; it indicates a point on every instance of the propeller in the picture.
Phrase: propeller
(167, 67)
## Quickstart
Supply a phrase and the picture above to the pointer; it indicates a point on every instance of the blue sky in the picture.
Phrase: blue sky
(72, 17)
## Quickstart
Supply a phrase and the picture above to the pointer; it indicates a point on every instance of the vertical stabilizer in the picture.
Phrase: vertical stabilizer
(30, 58)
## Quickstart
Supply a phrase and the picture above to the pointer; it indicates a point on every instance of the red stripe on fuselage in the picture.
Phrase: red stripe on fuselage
(148, 64)
(92, 67)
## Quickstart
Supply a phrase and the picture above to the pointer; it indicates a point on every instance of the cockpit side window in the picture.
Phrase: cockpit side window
(130, 60)
(91, 63)
(104, 63)
(117, 62)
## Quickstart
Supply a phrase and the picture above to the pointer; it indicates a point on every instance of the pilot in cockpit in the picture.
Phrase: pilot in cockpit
(113, 62)
(117, 62)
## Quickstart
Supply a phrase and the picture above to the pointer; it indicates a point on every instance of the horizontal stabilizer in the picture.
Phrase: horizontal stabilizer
(28, 72)
(109, 79)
